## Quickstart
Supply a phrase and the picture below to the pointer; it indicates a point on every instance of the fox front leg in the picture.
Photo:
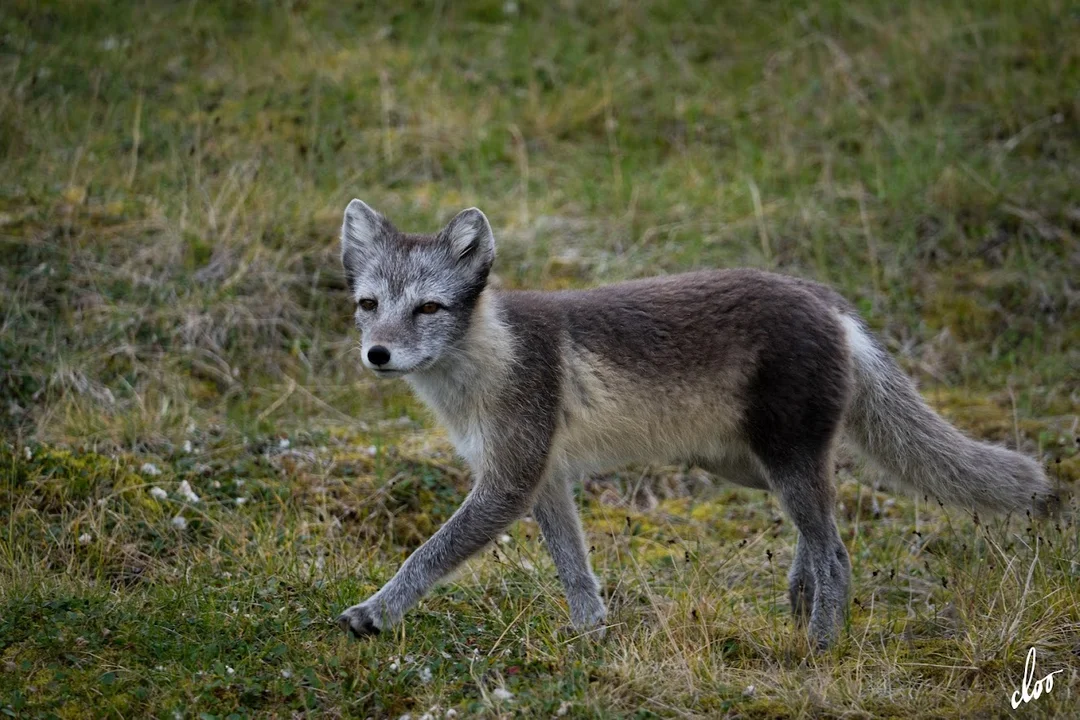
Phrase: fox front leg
(486, 512)
(558, 518)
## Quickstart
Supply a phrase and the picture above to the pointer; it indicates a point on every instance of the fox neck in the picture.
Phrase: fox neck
(469, 375)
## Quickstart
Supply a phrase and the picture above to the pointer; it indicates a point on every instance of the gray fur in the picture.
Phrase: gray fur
(558, 518)
(748, 374)
(890, 423)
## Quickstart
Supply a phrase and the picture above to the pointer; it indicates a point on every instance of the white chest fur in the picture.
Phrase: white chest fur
(463, 388)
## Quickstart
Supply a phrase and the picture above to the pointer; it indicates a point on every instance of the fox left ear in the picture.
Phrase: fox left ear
(360, 231)
(360, 226)
(471, 241)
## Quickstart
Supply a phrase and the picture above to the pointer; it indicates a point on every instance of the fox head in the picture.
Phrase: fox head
(414, 294)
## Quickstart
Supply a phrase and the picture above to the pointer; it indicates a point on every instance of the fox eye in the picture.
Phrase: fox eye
(429, 307)
(368, 304)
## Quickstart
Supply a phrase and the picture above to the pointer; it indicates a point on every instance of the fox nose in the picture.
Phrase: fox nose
(378, 355)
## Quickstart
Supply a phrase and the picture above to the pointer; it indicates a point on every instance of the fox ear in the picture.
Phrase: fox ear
(359, 232)
(470, 239)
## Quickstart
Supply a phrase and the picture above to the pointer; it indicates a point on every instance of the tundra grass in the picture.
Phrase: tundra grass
(172, 177)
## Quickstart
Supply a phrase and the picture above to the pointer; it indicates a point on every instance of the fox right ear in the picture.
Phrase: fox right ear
(471, 242)
(359, 232)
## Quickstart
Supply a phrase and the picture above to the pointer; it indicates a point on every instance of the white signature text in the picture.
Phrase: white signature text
(1027, 691)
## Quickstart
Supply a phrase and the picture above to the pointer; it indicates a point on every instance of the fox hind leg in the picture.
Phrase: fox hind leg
(820, 578)
(801, 583)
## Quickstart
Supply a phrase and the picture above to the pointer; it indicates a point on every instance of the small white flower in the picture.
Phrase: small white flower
(286, 674)
(502, 694)
(564, 707)
(239, 482)
(149, 469)
(187, 446)
(451, 713)
(503, 539)
(85, 539)
(227, 575)
(372, 450)
(179, 522)
(425, 675)
(749, 691)
(29, 455)
(284, 443)
(229, 670)
(216, 485)
(241, 500)
(186, 492)
(393, 666)
(158, 493)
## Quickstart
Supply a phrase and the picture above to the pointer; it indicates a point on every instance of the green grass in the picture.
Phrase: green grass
(172, 177)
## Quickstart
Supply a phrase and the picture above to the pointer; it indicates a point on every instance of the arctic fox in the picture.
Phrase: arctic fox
(747, 374)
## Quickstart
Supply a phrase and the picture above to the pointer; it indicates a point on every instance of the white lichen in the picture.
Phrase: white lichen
(186, 492)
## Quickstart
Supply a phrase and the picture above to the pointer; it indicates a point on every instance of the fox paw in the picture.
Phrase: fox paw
(586, 620)
(587, 613)
(572, 632)
(359, 621)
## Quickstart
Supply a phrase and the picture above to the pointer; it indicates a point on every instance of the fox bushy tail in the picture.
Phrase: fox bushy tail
(889, 422)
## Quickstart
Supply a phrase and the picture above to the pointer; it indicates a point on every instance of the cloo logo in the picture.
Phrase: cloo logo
(1027, 691)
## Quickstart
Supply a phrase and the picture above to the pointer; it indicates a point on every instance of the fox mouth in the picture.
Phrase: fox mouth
(383, 372)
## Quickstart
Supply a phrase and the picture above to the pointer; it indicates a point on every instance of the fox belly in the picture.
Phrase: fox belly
(610, 417)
